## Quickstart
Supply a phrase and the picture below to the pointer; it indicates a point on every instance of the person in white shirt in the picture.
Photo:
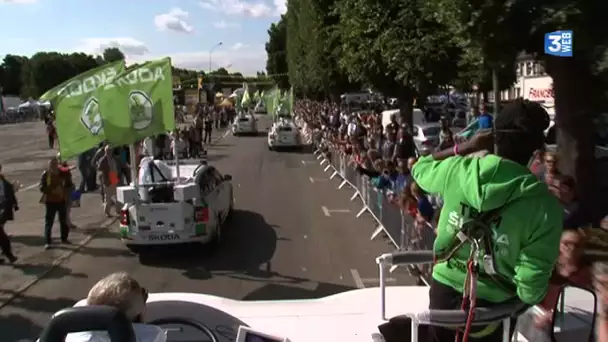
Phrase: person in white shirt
(148, 147)
(121, 291)
(352, 127)
(178, 145)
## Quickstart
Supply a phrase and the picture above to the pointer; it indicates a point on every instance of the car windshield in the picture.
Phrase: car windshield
(431, 131)
(243, 119)
(284, 129)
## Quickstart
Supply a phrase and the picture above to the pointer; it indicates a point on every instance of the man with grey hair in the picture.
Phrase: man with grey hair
(121, 291)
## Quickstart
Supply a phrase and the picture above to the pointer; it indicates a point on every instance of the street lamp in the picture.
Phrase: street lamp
(211, 51)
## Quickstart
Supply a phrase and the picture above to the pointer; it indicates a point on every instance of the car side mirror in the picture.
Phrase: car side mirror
(227, 177)
(574, 315)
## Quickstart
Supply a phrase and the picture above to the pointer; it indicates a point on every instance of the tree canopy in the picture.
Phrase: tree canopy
(31, 77)
(410, 48)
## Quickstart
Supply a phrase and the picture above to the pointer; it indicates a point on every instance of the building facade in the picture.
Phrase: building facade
(532, 83)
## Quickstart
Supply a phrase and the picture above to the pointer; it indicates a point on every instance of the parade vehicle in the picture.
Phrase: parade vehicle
(245, 123)
(171, 206)
(284, 133)
(389, 314)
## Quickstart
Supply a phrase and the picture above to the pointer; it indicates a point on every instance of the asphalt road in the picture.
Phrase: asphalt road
(293, 236)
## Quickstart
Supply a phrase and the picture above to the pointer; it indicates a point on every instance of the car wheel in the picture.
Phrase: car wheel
(217, 238)
(231, 208)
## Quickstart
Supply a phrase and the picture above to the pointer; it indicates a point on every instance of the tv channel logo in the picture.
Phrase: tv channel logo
(559, 43)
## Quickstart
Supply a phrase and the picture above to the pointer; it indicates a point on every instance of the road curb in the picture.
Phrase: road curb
(65, 256)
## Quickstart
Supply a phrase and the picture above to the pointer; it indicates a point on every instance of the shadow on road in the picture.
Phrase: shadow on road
(58, 272)
(247, 243)
(213, 157)
(15, 327)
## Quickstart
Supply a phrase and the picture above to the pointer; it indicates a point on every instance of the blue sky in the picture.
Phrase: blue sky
(185, 30)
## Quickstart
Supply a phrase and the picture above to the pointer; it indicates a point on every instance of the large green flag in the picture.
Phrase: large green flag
(285, 103)
(246, 101)
(138, 103)
(288, 102)
(268, 99)
(78, 118)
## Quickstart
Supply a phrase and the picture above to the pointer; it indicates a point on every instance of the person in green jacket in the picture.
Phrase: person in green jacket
(525, 234)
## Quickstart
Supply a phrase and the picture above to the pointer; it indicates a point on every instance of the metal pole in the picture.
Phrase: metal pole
(496, 91)
(176, 157)
(211, 51)
(496, 102)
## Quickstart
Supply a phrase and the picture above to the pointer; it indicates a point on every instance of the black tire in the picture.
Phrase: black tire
(231, 209)
(217, 237)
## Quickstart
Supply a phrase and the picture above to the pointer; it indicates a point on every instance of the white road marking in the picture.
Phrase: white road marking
(316, 180)
(306, 162)
(311, 179)
(328, 212)
(29, 187)
(357, 278)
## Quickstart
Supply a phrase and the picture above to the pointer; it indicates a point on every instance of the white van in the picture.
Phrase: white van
(387, 114)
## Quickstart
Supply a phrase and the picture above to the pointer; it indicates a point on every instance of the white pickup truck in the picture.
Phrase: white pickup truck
(284, 133)
(168, 211)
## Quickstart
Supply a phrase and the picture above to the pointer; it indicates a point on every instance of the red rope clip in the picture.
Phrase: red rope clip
(469, 301)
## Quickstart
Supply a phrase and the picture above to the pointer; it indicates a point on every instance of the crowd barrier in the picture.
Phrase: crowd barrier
(12, 118)
(403, 231)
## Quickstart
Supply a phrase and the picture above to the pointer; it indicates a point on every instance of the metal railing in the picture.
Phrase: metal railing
(404, 232)
(15, 117)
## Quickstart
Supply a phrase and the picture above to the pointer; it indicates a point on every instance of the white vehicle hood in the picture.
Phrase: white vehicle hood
(351, 316)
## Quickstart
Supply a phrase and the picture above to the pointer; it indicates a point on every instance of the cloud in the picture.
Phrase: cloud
(280, 6)
(174, 20)
(239, 46)
(254, 9)
(18, 2)
(246, 59)
(128, 46)
(226, 25)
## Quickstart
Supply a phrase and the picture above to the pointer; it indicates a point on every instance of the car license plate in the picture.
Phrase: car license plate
(163, 237)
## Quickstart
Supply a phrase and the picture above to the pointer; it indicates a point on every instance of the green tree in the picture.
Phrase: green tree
(276, 51)
(502, 29)
(113, 54)
(48, 69)
(397, 48)
(11, 68)
(313, 49)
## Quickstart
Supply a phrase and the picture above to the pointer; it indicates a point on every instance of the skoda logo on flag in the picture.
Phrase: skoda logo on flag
(140, 108)
(91, 117)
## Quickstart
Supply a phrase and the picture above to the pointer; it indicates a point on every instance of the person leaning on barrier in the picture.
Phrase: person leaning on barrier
(526, 222)
(121, 291)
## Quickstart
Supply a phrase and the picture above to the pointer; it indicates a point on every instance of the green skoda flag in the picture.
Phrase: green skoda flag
(269, 100)
(138, 103)
(78, 119)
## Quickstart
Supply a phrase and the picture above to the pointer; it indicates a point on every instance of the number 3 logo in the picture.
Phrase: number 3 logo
(556, 45)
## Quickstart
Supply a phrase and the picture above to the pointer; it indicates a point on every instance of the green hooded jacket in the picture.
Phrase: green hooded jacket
(526, 236)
